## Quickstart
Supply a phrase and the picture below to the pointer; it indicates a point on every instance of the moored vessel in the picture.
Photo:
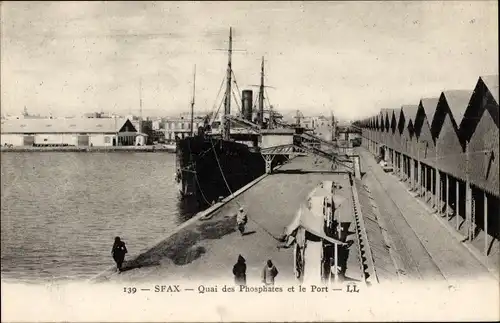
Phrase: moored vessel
(222, 157)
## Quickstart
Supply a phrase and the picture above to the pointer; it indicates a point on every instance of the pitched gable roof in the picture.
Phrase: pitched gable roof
(410, 112)
(383, 118)
(458, 101)
(491, 82)
(425, 106)
(429, 105)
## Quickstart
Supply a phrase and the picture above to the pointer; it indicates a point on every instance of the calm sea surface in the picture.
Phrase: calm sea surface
(60, 212)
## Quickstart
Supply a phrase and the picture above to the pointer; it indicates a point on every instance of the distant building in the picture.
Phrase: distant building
(68, 132)
(157, 124)
(97, 115)
(320, 125)
(181, 127)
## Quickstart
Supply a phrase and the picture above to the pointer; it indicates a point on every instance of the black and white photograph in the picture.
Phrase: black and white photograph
(249, 161)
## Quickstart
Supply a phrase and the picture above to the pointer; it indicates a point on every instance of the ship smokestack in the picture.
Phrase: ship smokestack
(247, 101)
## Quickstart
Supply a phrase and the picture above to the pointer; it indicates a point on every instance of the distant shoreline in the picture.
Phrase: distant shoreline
(89, 149)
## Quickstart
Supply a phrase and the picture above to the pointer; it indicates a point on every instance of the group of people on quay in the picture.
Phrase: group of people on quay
(269, 272)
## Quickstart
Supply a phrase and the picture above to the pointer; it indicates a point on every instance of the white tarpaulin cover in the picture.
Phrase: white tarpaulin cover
(320, 191)
(311, 223)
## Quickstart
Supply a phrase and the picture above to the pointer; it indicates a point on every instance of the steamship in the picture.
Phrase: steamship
(222, 156)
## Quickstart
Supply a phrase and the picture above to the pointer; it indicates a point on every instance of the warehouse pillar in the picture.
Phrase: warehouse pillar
(447, 192)
(419, 178)
(425, 183)
(457, 202)
(400, 166)
(438, 191)
(403, 157)
(468, 208)
(407, 167)
(485, 202)
(468, 194)
(432, 185)
(400, 163)
(419, 172)
(410, 169)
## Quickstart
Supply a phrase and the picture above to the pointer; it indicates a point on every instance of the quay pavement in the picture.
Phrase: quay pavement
(207, 249)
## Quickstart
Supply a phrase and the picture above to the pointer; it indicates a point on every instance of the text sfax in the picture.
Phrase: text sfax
(167, 288)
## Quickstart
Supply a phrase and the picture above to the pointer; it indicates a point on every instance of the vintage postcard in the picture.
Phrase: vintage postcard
(249, 161)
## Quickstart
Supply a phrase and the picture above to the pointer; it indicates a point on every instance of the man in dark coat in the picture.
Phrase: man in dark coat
(240, 271)
(119, 250)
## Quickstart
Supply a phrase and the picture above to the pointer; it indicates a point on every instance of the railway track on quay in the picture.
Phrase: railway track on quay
(421, 249)
(364, 252)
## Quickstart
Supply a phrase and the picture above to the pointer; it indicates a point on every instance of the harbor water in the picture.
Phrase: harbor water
(60, 212)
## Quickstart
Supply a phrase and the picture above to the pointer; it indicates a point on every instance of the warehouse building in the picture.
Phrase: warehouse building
(99, 132)
(448, 150)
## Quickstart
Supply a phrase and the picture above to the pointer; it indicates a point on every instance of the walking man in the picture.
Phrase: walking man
(118, 252)
(240, 271)
(241, 220)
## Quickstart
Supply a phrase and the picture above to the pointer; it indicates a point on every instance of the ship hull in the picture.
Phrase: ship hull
(211, 168)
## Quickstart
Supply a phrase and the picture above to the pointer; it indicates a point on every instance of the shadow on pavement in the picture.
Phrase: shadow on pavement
(181, 248)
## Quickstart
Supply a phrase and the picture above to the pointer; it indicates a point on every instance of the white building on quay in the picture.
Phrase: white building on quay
(99, 132)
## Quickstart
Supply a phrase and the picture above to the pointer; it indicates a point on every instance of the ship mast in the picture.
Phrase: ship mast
(192, 101)
(261, 95)
(227, 104)
(140, 102)
(333, 126)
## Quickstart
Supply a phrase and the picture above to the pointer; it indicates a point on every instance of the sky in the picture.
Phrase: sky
(349, 58)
